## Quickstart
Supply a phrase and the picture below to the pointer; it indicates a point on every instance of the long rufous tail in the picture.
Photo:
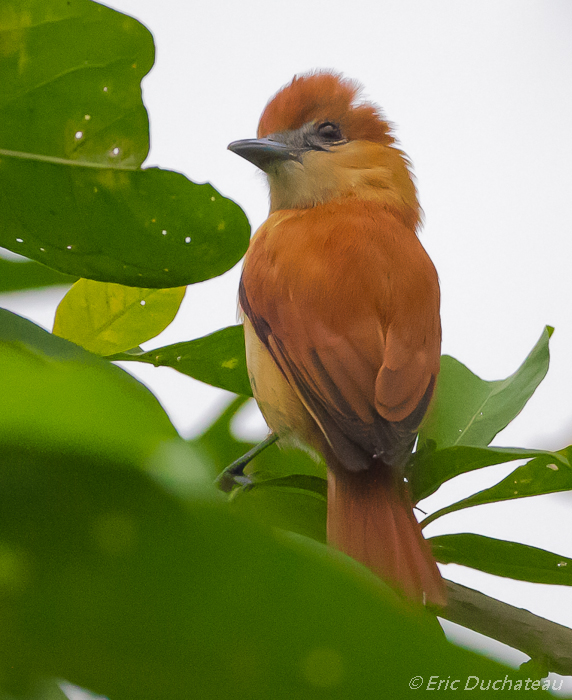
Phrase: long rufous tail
(370, 518)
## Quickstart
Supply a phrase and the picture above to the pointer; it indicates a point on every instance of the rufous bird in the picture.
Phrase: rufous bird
(341, 315)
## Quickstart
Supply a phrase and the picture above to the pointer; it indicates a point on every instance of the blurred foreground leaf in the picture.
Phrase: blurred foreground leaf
(40, 689)
(54, 394)
(107, 318)
(119, 587)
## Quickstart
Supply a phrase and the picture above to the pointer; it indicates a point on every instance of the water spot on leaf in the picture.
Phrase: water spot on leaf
(115, 151)
(179, 358)
(87, 117)
(69, 247)
(105, 89)
(188, 239)
(213, 199)
(43, 250)
(78, 135)
(19, 240)
(164, 232)
(142, 302)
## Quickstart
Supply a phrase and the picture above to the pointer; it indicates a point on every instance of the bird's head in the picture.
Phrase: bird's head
(317, 141)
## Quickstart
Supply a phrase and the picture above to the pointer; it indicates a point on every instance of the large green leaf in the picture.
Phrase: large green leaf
(107, 318)
(218, 359)
(18, 275)
(429, 468)
(55, 394)
(73, 135)
(114, 584)
(502, 558)
(470, 411)
(543, 474)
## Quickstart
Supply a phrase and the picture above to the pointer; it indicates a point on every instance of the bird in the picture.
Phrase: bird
(340, 306)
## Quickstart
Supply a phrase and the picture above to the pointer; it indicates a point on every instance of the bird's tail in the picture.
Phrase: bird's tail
(370, 518)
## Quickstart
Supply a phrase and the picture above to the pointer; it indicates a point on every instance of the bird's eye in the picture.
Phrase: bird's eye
(330, 132)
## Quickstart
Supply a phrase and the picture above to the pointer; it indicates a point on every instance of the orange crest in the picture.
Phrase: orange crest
(324, 96)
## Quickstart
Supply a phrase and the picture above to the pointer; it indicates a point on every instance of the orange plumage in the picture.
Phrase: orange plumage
(341, 307)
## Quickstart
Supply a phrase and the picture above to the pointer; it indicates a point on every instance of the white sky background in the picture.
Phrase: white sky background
(481, 96)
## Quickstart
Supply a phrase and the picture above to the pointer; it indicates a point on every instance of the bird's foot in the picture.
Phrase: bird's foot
(234, 474)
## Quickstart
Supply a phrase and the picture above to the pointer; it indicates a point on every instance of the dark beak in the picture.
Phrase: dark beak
(264, 152)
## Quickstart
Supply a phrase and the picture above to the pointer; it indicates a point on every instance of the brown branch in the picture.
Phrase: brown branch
(544, 641)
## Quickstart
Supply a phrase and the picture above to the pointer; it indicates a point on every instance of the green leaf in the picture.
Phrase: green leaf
(297, 503)
(107, 318)
(278, 461)
(429, 468)
(18, 275)
(83, 100)
(144, 228)
(120, 587)
(73, 135)
(547, 473)
(54, 394)
(218, 359)
(502, 558)
(535, 668)
(42, 689)
(470, 411)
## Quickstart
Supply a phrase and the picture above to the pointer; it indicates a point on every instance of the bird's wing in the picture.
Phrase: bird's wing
(347, 302)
